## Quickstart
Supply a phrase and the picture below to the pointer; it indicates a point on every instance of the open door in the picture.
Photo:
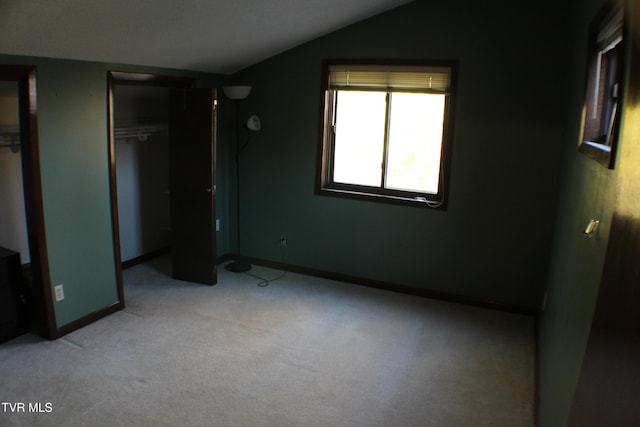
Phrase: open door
(609, 383)
(192, 122)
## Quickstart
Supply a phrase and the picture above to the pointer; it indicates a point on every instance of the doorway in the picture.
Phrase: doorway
(28, 303)
(14, 242)
(146, 145)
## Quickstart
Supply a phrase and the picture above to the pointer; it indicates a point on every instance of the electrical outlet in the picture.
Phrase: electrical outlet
(217, 225)
(59, 291)
(283, 240)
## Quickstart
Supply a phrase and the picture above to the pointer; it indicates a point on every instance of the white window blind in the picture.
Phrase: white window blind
(610, 33)
(400, 78)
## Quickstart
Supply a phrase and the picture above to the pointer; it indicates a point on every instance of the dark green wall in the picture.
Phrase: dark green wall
(587, 191)
(72, 125)
(517, 121)
(492, 243)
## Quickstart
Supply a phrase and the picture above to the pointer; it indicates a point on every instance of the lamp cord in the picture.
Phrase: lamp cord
(238, 174)
(265, 282)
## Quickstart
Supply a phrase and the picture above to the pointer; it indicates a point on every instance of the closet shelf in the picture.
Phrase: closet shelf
(140, 131)
(10, 138)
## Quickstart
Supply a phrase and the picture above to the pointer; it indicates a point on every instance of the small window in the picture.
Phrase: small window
(604, 74)
(386, 131)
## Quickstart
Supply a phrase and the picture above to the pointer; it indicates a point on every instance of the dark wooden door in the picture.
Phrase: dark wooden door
(608, 390)
(192, 122)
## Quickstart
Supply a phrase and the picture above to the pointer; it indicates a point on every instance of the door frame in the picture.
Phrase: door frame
(131, 79)
(42, 314)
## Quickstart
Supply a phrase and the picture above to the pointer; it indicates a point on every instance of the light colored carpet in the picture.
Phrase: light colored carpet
(303, 351)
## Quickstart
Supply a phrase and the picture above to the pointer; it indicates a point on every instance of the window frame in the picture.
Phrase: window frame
(603, 151)
(324, 176)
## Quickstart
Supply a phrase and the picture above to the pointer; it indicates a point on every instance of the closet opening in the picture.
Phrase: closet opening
(25, 291)
(140, 166)
(141, 138)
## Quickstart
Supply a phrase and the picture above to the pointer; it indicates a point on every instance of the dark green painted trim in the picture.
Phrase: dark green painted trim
(224, 258)
(394, 287)
(145, 257)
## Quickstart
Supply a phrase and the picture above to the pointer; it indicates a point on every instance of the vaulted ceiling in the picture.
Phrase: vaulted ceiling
(219, 36)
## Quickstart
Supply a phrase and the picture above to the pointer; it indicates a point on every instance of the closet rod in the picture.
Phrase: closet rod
(10, 137)
(141, 132)
(14, 146)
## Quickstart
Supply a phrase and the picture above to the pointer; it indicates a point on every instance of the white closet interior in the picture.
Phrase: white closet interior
(13, 220)
(142, 168)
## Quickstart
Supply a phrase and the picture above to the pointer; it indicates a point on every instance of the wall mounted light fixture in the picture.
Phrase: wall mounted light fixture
(254, 123)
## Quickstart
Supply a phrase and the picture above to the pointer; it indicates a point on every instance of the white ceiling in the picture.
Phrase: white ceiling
(220, 36)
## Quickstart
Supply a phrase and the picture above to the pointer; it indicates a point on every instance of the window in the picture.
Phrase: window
(604, 71)
(386, 131)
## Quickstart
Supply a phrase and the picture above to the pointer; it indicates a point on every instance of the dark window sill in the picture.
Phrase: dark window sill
(408, 200)
(598, 152)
